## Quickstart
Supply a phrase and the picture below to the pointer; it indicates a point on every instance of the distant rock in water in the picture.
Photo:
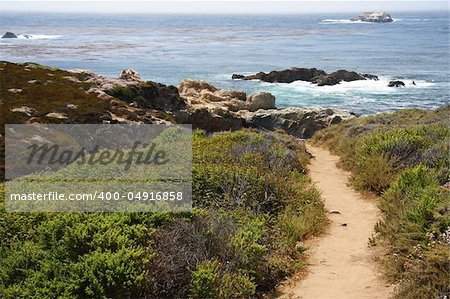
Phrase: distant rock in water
(375, 17)
(338, 76)
(284, 76)
(370, 77)
(313, 75)
(9, 35)
(236, 76)
(396, 83)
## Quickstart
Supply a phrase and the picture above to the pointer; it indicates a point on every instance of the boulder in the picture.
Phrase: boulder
(232, 94)
(25, 110)
(9, 35)
(130, 88)
(396, 83)
(210, 119)
(130, 74)
(194, 86)
(337, 77)
(203, 94)
(376, 17)
(299, 122)
(262, 100)
(56, 115)
(237, 76)
(370, 77)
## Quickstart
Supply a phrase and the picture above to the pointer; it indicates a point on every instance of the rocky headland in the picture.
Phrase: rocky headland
(35, 93)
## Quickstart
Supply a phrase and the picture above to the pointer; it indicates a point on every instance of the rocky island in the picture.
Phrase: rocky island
(375, 17)
(313, 75)
(9, 35)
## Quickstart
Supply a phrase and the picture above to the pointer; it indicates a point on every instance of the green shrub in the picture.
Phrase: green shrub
(204, 280)
(236, 286)
(249, 190)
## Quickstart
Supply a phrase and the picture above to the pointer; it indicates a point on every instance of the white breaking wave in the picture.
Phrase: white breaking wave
(367, 87)
(347, 21)
(342, 21)
(38, 36)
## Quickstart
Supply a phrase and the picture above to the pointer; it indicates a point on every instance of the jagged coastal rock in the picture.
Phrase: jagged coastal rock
(130, 88)
(213, 109)
(299, 122)
(80, 96)
(200, 93)
(262, 100)
(338, 76)
(130, 74)
(9, 35)
(375, 16)
(396, 83)
(313, 75)
(284, 76)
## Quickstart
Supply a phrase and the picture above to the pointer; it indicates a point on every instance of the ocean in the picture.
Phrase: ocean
(169, 48)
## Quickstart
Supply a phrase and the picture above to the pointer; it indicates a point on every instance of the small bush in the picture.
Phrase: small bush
(204, 280)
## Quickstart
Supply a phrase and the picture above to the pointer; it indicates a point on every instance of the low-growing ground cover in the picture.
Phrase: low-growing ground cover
(253, 203)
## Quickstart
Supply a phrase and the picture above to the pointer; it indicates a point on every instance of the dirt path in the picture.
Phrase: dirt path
(341, 262)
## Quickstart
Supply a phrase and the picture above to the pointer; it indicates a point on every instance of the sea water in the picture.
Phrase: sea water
(169, 48)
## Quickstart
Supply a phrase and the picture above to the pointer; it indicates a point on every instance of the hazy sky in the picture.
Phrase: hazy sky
(214, 7)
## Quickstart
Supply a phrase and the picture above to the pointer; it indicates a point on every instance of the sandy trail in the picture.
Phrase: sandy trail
(341, 262)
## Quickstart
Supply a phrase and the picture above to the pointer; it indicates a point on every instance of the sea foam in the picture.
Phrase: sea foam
(343, 21)
(38, 36)
(359, 86)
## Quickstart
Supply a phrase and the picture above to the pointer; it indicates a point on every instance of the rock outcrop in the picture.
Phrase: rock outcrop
(79, 96)
(376, 17)
(203, 94)
(284, 76)
(9, 35)
(262, 100)
(213, 109)
(338, 76)
(313, 75)
(129, 87)
(210, 119)
(299, 122)
(130, 74)
(71, 97)
(396, 83)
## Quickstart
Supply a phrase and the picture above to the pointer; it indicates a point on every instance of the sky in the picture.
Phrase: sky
(220, 7)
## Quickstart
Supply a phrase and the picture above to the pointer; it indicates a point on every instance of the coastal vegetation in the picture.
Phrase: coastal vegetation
(253, 203)
(405, 158)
